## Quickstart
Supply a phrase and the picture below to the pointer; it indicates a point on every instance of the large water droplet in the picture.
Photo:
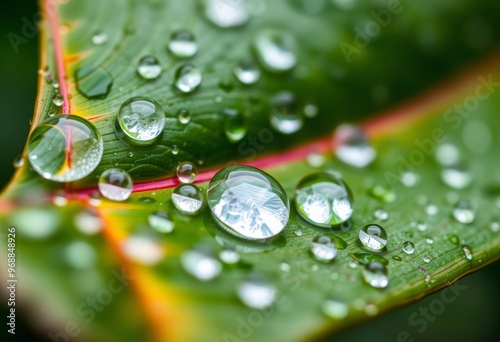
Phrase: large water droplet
(186, 172)
(375, 274)
(141, 120)
(201, 263)
(257, 293)
(408, 247)
(99, 38)
(467, 252)
(335, 308)
(248, 202)
(373, 236)
(227, 13)
(149, 67)
(161, 222)
(187, 78)
(352, 146)
(115, 184)
(456, 176)
(143, 249)
(275, 50)
(247, 72)
(93, 82)
(323, 248)
(234, 124)
(463, 212)
(323, 199)
(285, 115)
(65, 148)
(182, 44)
(187, 198)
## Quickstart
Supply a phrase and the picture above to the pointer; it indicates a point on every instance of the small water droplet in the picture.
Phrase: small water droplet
(257, 293)
(143, 249)
(323, 199)
(234, 125)
(452, 197)
(383, 193)
(408, 247)
(284, 267)
(429, 240)
(456, 176)
(397, 258)
(87, 222)
(431, 209)
(275, 50)
(100, 38)
(18, 161)
(186, 172)
(248, 202)
(422, 226)
(247, 72)
(57, 100)
(447, 154)
(410, 179)
(174, 150)
(352, 147)
(227, 13)
(285, 116)
(298, 232)
(495, 226)
(375, 274)
(463, 212)
(428, 279)
(381, 214)
(323, 249)
(426, 258)
(55, 85)
(315, 159)
(454, 239)
(60, 199)
(187, 198)
(467, 252)
(335, 308)
(115, 184)
(184, 116)
(310, 110)
(182, 44)
(201, 263)
(149, 67)
(187, 78)
(130, 154)
(373, 236)
(161, 222)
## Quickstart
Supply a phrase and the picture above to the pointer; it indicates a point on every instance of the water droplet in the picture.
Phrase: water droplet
(161, 222)
(140, 120)
(426, 258)
(182, 44)
(227, 13)
(247, 72)
(95, 199)
(175, 150)
(88, 222)
(381, 214)
(456, 176)
(55, 84)
(99, 38)
(201, 263)
(447, 154)
(18, 161)
(257, 293)
(408, 247)
(467, 252)
(298, 232)
(149, 67)
(335, 308)
(130, 154)
(397, 258)
(142, 249)
(463, 212)
(80, 255)
(186, 172)
(429, 240)
(375, 274)
(422, 226)
(352, 146)
(495, 226)
(234, 125)
(275, 50)
(60, 199)
(428, 279)
(93, 82)
(57, 100)
(187, 198)
(248, 202)
(431, 209)
(310, 110)
(454, 239)
(184, 116)
(410, 179)
(65, 148)
(285, 267)
(323, 199)
(229, 256)
(373, 236)
(187, 78)
(115, 184)
(323, 249)
(383, 193)
(365, 258)
(285, 116)
(315, 159)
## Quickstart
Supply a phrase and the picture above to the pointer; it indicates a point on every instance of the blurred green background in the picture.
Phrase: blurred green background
(473, 316)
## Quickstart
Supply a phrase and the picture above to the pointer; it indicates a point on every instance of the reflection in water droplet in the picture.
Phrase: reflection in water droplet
(184, 116)
(323, 249)
(227, 13)
(142, 249)
(467, 252)
(187, 198)
(187, 78)
(257, 293)
(186, 172)
(234, 125)
(335, 308)
(275, 50)
(373, 236)
(247, 72)
(248, 202)
(161, 222)
(456, 176)
(323, 199)
(99, 38)
(182, 44)
(375, 274)
(115, 184)
(65, 148)
(57, 100)
(87, 222)
(149, 67)
(201, 263)
(352, 146)
(285, 115)
(463, 212)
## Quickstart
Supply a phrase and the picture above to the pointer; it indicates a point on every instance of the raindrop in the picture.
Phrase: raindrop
(456, 176)
(65, 148)
(408, 247)
(257, 293)
(428, 279)
(323, 199)
(182, 44)
(130, 154)
(201, 263)
(375, 274)
(247, 72)
(431, 209)
(310, 110)
(187, 78)
(60, 199)
(285, 116)
(373, 236)
(161, 222)
(184, 116)
(410, 179)
(447, 154)
(298, 232)
(429, 240)
(115, 184)
(141, 120)
(187, 198)
(87, 222)
(18, 161)
(467, 252)
(381, 214)
(99, 38)
(454, 239)
(229, 256)
(248, 202)
(149, 67)
(397, 258)
(275, 50)
(463, 212)
(234, 124)
(80, 255)
(383, 193)
(227, 13)
(175, 150)
(426, 258)
(323, 248)
(57, 100)
(315, 159)
(186, 172)
(335, 308)
(352, 147)
(422, 226)
(143, 249)
(495, 226)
